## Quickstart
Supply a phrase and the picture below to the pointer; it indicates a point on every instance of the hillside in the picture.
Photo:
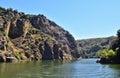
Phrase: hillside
(33, 37)
(90, 47)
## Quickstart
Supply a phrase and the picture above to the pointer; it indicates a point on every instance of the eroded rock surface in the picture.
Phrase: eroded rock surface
(33, 37)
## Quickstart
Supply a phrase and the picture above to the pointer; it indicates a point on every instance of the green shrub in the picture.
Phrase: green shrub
(103, 53)
(107, 53)
(17, 55)
(118, 33)
(111, 53)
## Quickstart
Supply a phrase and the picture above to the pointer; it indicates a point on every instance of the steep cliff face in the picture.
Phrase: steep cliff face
(49, 27)
(33, 37)
(90, 47)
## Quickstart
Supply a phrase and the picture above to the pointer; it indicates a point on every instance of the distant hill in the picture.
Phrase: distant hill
(90, 47)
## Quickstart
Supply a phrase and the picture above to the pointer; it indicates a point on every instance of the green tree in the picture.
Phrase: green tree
(103, 53)
(111, 53)
(107, 53)
(9, 10)
(118, 33)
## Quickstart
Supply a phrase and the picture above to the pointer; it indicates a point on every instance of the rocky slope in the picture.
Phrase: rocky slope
(33, 37)
(90, 47)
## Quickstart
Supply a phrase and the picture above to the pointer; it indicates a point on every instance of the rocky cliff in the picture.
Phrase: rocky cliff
(90, 47)
(33, 37)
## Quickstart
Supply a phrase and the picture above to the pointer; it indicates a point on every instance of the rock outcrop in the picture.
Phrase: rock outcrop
(33, 37)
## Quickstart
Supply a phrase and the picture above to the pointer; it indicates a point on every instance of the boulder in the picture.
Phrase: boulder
(2, 58)
(11, 59)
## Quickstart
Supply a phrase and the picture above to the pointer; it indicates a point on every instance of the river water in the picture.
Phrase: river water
(85, 68)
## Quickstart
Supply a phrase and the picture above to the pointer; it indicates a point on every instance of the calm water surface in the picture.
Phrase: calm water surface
(85, 68)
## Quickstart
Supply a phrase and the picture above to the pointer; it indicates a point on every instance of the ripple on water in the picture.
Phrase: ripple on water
(85, 68)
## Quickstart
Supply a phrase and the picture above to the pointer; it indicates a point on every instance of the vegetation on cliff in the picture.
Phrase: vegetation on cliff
(112, 55)
(33, 37)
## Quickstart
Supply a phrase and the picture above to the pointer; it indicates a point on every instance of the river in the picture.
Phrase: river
(84, 68)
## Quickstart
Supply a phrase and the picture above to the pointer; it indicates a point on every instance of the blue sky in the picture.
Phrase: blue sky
(82, 18)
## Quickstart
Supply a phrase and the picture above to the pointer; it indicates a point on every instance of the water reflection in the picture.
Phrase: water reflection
(115, 69)
(85, 68)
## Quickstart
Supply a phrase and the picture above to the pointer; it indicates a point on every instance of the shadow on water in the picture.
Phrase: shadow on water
(116, 69)
(115, 66)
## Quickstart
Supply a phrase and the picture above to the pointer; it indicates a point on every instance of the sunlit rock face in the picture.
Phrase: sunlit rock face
(33, 37)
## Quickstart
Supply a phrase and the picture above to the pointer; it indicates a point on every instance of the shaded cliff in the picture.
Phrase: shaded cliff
(33, 37)
(91, 47)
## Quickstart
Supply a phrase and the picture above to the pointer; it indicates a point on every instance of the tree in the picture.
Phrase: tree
(15, 11)
(2, 8)
(111, 53)
(107, 53)
(118, 33)
(103, 53)
(9, 9)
